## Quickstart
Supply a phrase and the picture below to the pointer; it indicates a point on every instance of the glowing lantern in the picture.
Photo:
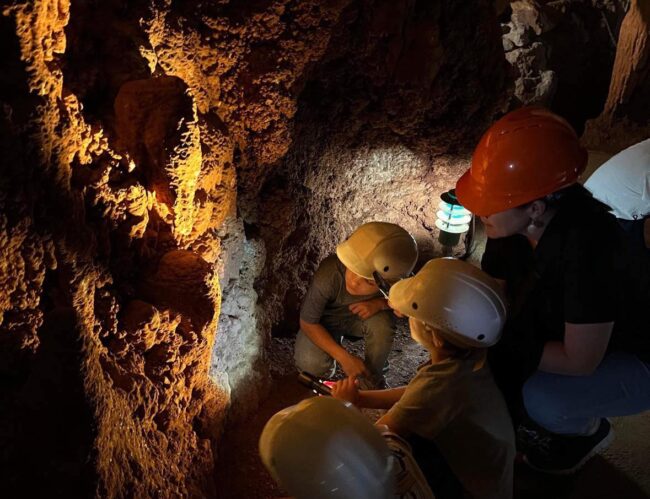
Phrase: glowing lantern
(453, 220)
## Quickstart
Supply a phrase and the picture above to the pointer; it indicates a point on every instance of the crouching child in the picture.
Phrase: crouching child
(455, 311)
(344, 300)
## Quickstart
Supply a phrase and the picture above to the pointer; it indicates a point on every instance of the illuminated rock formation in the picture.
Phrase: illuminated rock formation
(171, 174)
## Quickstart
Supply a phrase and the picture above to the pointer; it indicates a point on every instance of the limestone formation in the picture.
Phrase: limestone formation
(172, 172)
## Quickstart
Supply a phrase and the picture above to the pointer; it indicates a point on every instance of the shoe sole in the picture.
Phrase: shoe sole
(602, 445)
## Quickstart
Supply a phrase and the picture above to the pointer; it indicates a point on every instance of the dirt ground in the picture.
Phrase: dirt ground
(621, 472)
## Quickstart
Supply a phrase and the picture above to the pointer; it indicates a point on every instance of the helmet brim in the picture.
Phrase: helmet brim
(475, 199)
(352, 261)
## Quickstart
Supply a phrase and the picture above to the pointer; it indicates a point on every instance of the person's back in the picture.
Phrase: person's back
(457, 405)
(582, 270)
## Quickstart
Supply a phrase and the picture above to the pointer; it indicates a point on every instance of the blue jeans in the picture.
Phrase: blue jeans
(378, 332)
(572, 405)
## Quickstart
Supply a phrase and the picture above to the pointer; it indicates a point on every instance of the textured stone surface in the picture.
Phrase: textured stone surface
(111, 309)
(624, 120)
(157, 153)
(127, 130)
(562, 53)
(377, 137)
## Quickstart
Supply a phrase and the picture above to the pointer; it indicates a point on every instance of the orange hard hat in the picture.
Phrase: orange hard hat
(526, 155)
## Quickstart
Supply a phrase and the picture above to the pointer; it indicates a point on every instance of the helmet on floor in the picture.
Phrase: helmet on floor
(380, 247)
(461, 302)
(526, 155)
(325, 448)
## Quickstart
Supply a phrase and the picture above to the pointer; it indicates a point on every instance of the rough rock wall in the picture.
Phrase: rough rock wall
(122, 128)
(381, 131)
(110, 295)
(154, 153)
(562, 52)
(625, 118)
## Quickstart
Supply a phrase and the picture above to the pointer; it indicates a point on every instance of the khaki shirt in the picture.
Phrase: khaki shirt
(459, 407)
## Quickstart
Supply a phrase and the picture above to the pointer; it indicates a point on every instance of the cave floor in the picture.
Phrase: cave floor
(622, 471)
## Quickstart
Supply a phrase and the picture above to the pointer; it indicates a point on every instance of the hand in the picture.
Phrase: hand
(347, 390)
(368, 308)
(354, 366)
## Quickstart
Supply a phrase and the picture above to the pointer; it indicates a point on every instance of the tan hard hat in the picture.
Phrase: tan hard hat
(325, 448)
(379, 246)
(460, 301)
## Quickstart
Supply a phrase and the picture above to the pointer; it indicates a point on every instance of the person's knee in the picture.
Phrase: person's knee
(308, 357)
(380, 326)
(543, 403)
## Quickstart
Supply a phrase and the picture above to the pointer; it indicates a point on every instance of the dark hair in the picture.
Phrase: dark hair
(569, 196)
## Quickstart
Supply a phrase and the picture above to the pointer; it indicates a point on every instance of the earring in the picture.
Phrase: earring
(533, 225)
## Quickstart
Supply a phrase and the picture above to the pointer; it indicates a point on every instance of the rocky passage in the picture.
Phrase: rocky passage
(172, 172)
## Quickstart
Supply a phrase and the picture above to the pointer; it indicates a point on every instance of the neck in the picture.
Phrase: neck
(438, 354)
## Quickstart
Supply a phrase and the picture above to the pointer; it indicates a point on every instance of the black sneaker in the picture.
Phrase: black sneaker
(530, 436)
(564, 455)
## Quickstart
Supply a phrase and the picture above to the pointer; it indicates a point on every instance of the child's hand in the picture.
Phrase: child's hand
(353, 366)
(368, 308)
(346, 389)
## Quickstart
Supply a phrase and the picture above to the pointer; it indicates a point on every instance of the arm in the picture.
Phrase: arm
(368, 308)
(580, 353)
(380, 399)
(352, 365)
(346, 389)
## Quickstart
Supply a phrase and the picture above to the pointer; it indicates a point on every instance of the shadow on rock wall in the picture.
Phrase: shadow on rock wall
(384, 126)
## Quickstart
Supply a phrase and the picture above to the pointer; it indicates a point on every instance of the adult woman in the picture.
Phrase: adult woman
(576, 338)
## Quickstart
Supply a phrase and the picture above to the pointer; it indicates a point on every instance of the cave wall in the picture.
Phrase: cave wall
(380, 133)
(562, 53)
(624, 120)
(172, 172)
(118, 182)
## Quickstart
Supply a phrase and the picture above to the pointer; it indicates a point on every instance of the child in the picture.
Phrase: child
(455, 311)
(323, 447)
(344, 300)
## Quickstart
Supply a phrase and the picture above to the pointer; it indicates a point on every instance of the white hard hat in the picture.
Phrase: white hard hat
(380, 247)
(325, 448)
(461, 302)
(623, 182)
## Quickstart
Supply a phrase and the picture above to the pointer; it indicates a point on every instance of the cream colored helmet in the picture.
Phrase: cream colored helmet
(325, 448)
(461, 302)
(380, 247)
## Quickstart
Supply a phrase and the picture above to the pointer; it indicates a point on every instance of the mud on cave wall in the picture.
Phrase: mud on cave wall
(170, 166)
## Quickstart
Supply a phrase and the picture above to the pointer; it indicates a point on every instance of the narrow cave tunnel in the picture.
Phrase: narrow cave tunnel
(173, 173)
